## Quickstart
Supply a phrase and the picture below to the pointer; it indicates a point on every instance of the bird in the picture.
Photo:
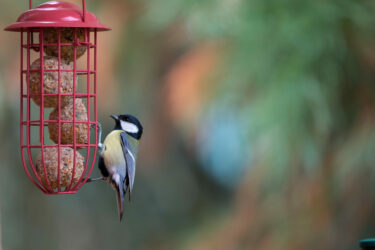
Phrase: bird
(118, 154)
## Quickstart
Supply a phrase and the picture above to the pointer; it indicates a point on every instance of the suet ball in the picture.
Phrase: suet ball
(50, 81)
(67, 136)
(50, 35)
(66, 166)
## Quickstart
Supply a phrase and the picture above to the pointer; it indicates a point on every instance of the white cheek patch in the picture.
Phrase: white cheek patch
(129, 127)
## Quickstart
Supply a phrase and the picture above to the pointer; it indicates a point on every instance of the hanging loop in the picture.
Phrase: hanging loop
(83, 8)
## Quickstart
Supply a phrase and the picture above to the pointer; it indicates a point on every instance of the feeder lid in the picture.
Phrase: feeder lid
(56, 14)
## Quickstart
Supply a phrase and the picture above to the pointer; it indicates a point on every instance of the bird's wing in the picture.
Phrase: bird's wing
(130, 161)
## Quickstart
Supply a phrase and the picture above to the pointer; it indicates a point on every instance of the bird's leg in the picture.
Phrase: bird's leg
(100, 131)
(95, 179)
(100, 146)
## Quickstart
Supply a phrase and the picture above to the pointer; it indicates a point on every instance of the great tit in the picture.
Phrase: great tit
(118, 154)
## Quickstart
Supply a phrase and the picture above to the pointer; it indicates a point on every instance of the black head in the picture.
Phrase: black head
(129, 124)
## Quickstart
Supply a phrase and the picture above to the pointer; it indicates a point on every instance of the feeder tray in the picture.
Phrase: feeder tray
(53, 36)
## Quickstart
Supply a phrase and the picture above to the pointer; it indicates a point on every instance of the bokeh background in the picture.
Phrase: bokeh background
(259, 128)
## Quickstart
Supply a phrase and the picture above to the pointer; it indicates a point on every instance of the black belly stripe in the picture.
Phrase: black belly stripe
(102, 167)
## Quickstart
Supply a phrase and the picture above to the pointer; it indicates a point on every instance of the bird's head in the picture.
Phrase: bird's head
(129, 124)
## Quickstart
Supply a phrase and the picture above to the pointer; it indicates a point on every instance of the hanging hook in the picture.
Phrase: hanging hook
(83, 8)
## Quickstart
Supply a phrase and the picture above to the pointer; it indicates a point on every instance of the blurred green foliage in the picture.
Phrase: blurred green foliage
(286, 118)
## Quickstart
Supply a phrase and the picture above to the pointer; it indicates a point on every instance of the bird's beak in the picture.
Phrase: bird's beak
(114, 117)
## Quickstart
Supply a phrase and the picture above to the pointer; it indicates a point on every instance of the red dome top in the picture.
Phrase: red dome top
(56, 14)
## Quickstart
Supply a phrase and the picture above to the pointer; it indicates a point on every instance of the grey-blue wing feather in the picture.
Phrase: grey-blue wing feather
(130, 159)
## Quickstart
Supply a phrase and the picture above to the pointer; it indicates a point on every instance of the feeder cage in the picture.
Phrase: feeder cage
(58, 114)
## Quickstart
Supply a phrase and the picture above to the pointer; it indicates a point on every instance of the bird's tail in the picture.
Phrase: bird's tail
(120, 200)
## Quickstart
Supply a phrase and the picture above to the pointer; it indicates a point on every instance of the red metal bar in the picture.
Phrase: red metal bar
(87, 42)
(74, 109)
(37, 122)
(28, 114)
(59, 109)
(21, 119)
(78, 71)
(56, 43)
(36, 46)
(84, 10)
(80, 95)
(55, 145)
(41, 133)
(62, 70)
(95, 114)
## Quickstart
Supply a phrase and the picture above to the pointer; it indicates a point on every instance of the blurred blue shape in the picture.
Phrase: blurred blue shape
(223, 147)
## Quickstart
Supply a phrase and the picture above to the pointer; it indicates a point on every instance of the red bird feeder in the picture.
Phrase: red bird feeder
(58, 94)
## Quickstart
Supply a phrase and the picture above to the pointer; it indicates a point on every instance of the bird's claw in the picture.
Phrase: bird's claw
(97, 124)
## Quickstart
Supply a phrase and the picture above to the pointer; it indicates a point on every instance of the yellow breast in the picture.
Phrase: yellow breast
(113, 154)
